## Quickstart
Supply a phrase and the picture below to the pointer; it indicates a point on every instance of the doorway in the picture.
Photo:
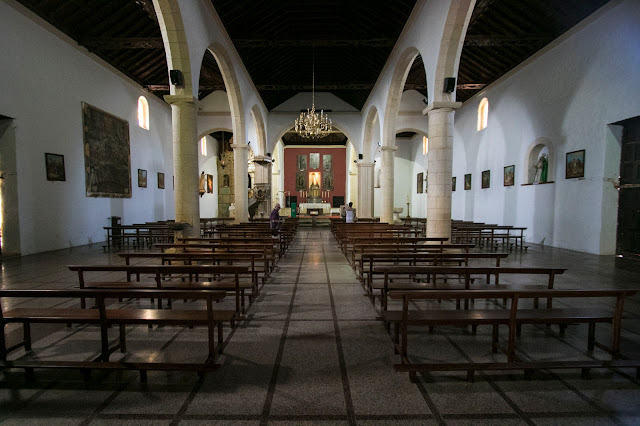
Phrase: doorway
(628, 233)
(9, 229)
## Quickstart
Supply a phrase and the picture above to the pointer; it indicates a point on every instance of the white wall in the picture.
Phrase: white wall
(45, 78)
(419, 165)
(568, 93)
(209, 165)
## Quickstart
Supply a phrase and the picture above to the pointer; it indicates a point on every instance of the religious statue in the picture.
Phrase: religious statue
(542, 168)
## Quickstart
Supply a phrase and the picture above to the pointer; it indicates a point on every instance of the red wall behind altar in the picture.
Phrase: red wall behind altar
(339, 169)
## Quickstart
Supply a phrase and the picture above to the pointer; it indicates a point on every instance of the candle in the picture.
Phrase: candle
(407, 198)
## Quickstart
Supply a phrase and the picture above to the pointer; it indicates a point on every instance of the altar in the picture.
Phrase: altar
(307, 208)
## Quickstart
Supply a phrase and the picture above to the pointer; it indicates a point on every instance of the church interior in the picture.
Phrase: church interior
(175, 246)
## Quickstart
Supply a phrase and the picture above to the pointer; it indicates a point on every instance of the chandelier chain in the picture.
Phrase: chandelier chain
(310, 124)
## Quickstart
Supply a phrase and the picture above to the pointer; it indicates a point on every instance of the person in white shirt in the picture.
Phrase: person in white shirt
(350, 213)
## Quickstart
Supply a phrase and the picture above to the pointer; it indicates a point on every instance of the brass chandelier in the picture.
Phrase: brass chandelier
(310, 124)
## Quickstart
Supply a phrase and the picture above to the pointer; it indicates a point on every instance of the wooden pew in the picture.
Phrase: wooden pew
(513, 317)
(368, 261)
(430, 273)
(104, 318)
(160, 272)
(359, 249)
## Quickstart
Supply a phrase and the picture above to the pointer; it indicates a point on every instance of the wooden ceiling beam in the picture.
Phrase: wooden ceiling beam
(263, 42)
(507, 40)
(119, 43)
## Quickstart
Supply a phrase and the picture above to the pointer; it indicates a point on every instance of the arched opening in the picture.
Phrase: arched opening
(143, 113)
(539, 162)
(483, 114)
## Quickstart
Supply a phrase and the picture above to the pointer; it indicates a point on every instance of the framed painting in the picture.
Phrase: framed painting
(301, 162)
(210, 184)
(142, 178)
(467, 182)
(160, 180)
(107, 159)
(314, 160)
(419, 181)
(301, 181)
(486, 179)
(509, 175)
(327, 162)
(575, 164)
(54, 164)
(453, 183)
(327, 181)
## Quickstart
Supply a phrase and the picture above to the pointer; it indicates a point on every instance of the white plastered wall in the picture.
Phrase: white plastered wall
(568, 93)
(46, 77)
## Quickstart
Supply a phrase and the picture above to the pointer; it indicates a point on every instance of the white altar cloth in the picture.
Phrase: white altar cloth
(326, 207)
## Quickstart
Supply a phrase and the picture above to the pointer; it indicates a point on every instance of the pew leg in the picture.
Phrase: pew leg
(518, 330)
(396, 337)
(562, 327)
(3, 344)
(123, 340)
(591, 339)
(220, 339)
(26, 331)
(30, 376)
(104, 337)
(143, 376)
(474, 329)
(494, 339)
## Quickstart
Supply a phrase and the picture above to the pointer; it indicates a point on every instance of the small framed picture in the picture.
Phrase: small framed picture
(419, 185)
(210, 184)
(575, 164)
(142, 178)
(467, 182)
(160, 180)
(486, 179)
(55, 167)
(453, 183)
(509, 174)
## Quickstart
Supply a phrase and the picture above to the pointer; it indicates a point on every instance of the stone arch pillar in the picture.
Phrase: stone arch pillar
(365, 190)
(440, 163)
(185, 161)
(386, 183)
(240, 180)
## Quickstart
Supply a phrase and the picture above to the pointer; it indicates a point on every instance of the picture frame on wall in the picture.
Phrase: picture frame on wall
(301, 162)
(314, 160)
(509, 175)
(453, 183)
(486, 179)
(54, 164)
(142, 178)
(210, 184)
(327, 162)
(467, 182)
(160, 180)
(574, 167)
(419, 181)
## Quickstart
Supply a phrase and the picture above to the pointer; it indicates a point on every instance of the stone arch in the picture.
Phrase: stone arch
(398, 79)
(286, 127)
(367, 139)
(233, 91)
(175, 45)
(536, 148)
(260, 130)
(451, 44)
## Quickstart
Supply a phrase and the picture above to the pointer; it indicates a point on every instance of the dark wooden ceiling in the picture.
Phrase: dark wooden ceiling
(349, 40)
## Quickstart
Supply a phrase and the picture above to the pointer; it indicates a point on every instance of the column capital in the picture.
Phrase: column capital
(363, 164)
(261, 159)
(441, 106)
(239, 146)
(389, 148)
(181, 99)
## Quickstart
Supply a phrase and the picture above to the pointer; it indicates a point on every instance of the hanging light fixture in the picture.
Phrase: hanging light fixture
(310, 124)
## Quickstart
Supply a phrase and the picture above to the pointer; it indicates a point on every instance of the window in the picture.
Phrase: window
(483, 113)
(425, 145)
(143, 113)
(203, 146)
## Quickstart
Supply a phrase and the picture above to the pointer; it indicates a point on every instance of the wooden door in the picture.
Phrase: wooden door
(628, 238)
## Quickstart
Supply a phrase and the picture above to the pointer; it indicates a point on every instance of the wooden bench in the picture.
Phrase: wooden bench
(513, 317)
(359, 249)
(104, 318)
(368, 261)
(160, 272)
(430, 273)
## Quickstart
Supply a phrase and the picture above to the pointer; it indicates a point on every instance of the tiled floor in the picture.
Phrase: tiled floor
(312, 351)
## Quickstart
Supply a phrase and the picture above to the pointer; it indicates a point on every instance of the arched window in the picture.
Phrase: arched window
(425, 145)
(483, 114)
(203, 146)
(143, 113)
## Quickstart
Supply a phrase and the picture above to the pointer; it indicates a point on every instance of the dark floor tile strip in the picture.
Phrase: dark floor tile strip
(266, 409)
(492, 383)
(105, 403)
(343, 364)
(432, 405)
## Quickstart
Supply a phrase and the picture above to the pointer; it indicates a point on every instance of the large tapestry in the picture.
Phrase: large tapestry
(107, 160)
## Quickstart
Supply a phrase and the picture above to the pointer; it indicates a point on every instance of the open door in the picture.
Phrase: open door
(628, 235)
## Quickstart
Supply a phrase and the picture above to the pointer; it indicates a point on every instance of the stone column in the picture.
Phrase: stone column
(440, 162)
(262, 189)
(364, 206)
(386, 183)
(185, 161)
(241, 182)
